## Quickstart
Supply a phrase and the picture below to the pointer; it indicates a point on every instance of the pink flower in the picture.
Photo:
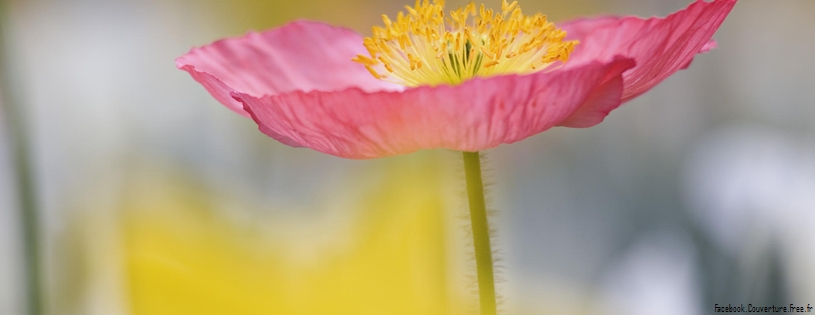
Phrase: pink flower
(465, 91)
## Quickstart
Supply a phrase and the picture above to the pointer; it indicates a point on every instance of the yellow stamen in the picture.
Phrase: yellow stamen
(423, 47)
(373, 72)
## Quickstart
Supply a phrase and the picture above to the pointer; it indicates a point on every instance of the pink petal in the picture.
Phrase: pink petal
(711, 45)
(660, 46)
(300, 56)
(597, 107)
(476, 115)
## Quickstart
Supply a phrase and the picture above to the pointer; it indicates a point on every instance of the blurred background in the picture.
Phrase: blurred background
(155, 199)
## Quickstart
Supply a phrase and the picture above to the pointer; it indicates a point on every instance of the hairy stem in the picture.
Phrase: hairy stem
(481, 233)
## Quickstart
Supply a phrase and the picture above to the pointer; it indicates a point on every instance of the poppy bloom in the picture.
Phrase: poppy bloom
(465, 80)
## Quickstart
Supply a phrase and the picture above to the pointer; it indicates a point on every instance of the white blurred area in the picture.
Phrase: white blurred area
(701, 191)
(753, 190)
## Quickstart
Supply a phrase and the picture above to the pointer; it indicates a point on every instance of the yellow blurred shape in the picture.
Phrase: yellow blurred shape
(184, 258)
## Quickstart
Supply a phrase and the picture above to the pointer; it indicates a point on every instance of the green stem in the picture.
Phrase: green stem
(481, 233)
(25, 183)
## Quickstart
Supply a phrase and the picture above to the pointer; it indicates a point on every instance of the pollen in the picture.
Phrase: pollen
(425, 46)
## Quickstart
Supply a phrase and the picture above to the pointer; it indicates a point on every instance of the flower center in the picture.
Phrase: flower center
(423, 47)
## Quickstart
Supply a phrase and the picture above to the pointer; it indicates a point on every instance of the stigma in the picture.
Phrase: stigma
(426, 47)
